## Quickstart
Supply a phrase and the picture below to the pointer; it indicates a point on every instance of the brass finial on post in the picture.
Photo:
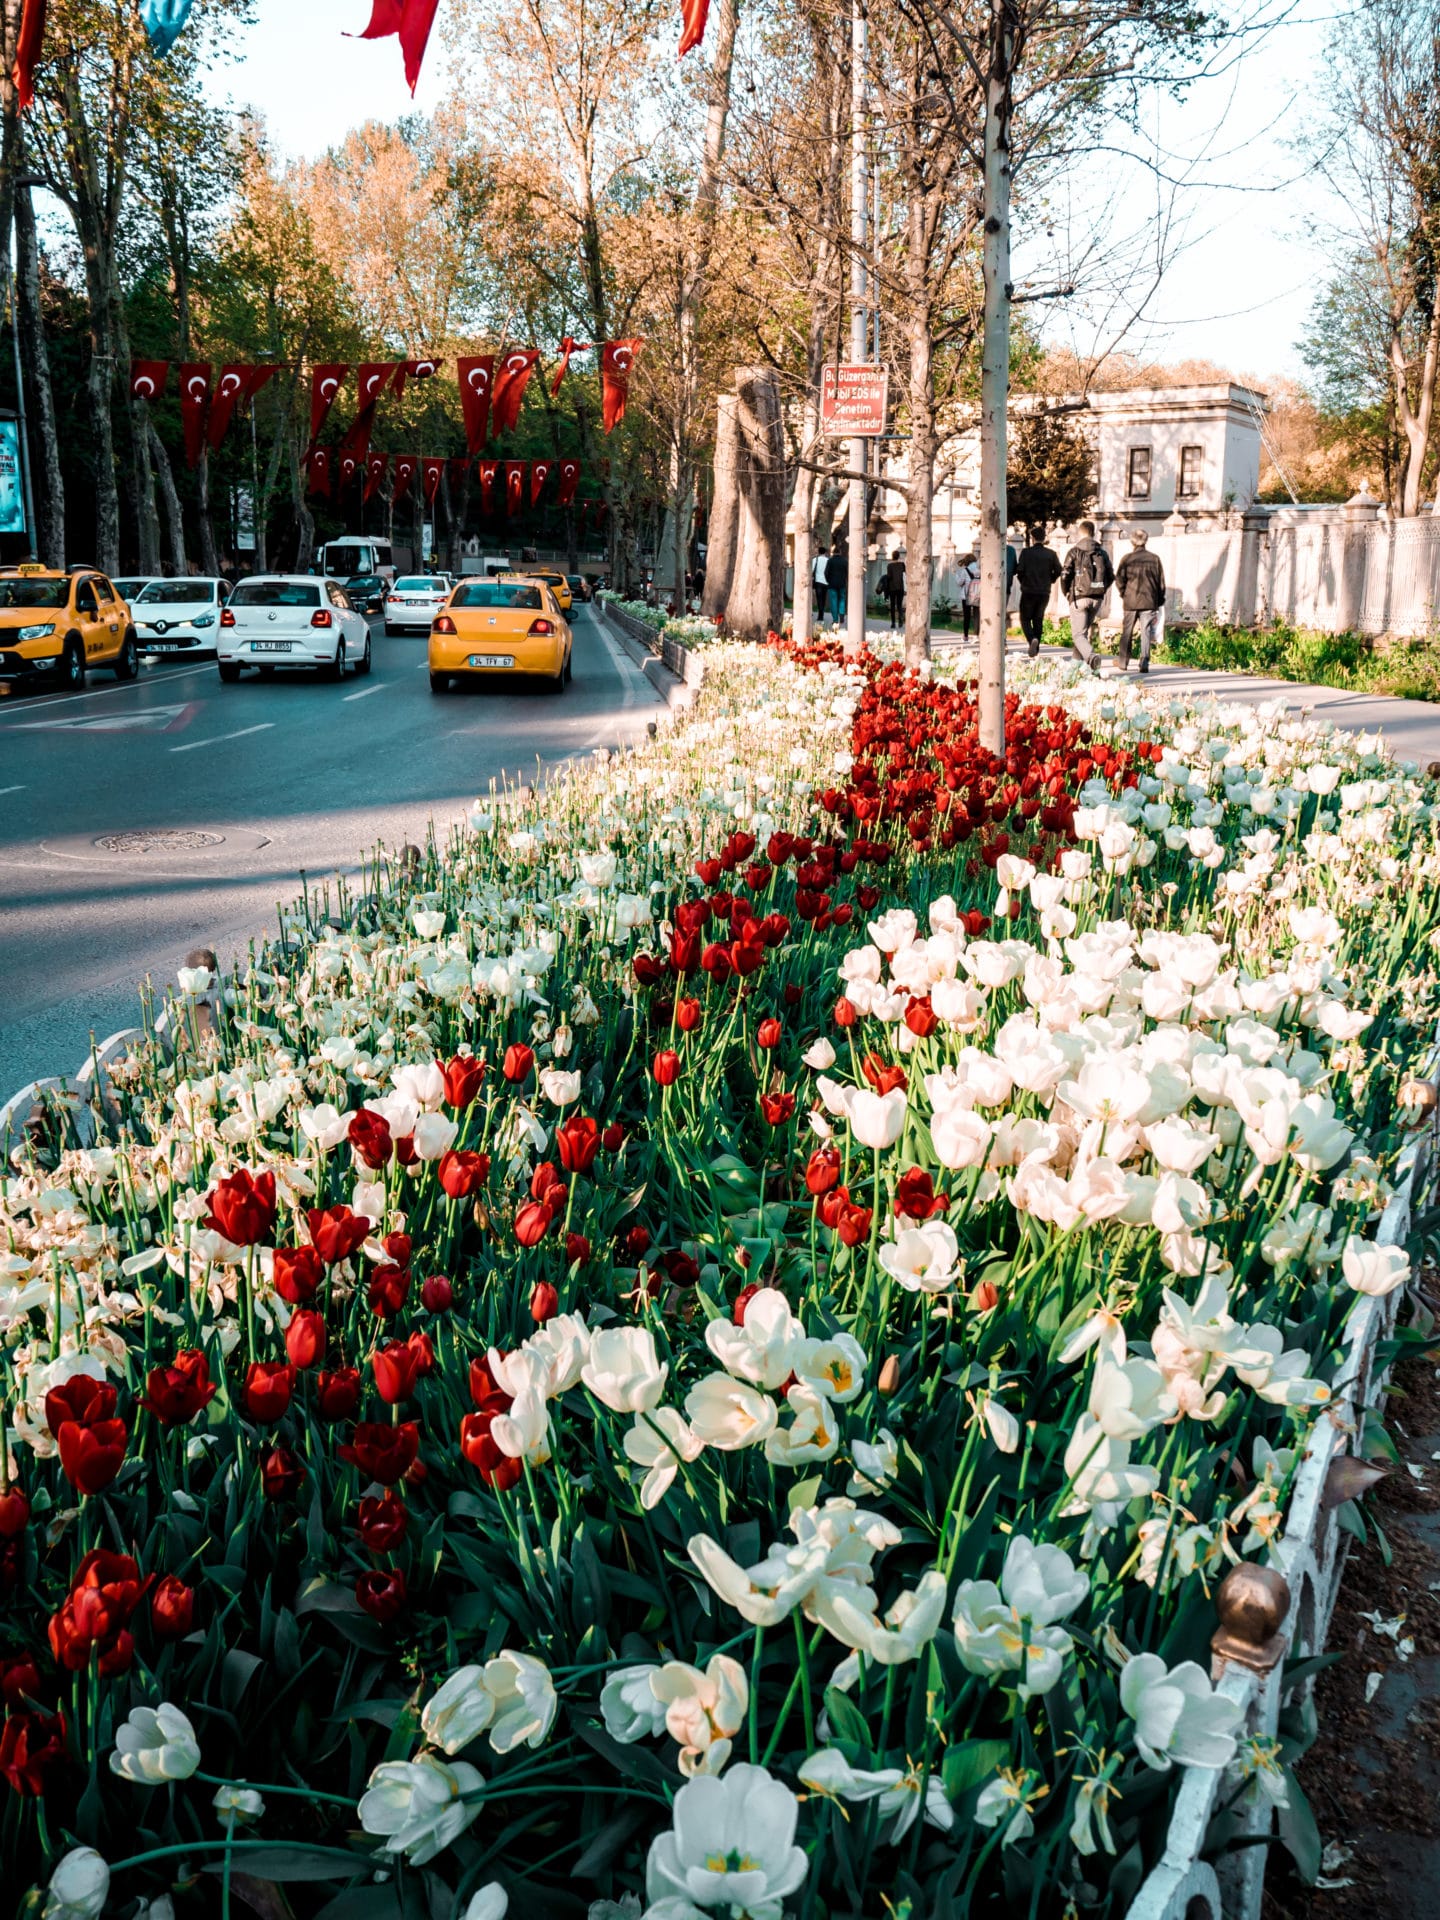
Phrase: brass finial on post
(1252, 1603)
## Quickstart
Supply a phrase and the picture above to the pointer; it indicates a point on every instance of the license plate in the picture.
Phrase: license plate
(492, 660)
(271, 646)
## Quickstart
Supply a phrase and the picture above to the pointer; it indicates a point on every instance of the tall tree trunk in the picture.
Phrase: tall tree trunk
(304, 519)
(1415, 415)
(995, 375)
(209, 557)
(724, 510)
(176, 564)
(48, 479)
(920, 478)
(757, 596)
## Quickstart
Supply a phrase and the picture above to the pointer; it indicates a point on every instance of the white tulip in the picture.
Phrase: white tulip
(732, 1847)
(623, 1369)
(730, 1414)
(877, 1120)
(559, 1086)
(659, 1441)
(1373, 1269)
(459, 1711)
(418, 1807)
(78, 1887)
(524, 1697)
(703, 1711)
(155, 1744)
(490, 1903)
(1177, 1714)
(629, 1706)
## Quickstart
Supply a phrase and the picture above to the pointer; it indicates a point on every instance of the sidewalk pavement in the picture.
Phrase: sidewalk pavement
(1411, 728)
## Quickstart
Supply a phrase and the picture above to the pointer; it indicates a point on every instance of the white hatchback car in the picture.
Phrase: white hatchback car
(413, 601)
(179, 616)
(292, 620)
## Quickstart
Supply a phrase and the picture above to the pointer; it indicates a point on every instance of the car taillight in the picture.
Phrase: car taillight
(227, 618)
(322, 618)
(443, 625)
(542, 626)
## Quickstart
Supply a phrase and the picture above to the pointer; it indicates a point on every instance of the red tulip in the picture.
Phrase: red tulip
(175, 1394)
(462, 1173)
(920, 1018)
(463, 1077)
(337, 1232)
(90, 1457)
(845, 1013)
(14, 1514)
(381, 1593)
(666, 1067)
(768, 1034)
(687, 1015)
(578, 1141)
(396, 1368)
(82, 1399)
(305, 1338)
(487, 1396)
(388, 1291)
(436, 1294)
(495, 1468)
(533, 1221)
(637, 1242)
(32, 1746)
(822, 1171)
(337, 1394)
(381, 1453)
(280, 1473)
(19, 1680)
(613, 1138)
(915, 1194)
(544, 1302)
(267, 1389)
(383, 1522)
(742, 1301)
(884, 1078)
(854, 1225)
(777, 1107)
(577, 1250)
(518, 1061)
(172, 1608)
(397, 1248)
(369, 1134)
(297, 1273)
(242, 1208)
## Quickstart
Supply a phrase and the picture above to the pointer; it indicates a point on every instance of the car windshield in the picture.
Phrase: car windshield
(275, 593)
(34, 593)
(346, 560)
(365, 582)
(575, 581)
(427, 585)
(496, 593)
(177, 593)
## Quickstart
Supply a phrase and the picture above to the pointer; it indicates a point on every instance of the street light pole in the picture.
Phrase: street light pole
(859, 316)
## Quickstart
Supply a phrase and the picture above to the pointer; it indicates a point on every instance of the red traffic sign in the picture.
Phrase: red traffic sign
(853, 400)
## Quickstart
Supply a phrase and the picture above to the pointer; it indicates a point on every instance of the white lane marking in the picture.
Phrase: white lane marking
(220, 738)
(162, 678)
(364, 692)
(19, 789)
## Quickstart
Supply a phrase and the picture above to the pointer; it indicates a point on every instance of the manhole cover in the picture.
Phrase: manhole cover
(168, 842)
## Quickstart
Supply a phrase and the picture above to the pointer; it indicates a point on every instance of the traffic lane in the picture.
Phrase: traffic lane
(319, 789)
(271, 749)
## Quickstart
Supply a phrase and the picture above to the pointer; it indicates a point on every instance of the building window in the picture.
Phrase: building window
(1190, 460)
(1137, 479)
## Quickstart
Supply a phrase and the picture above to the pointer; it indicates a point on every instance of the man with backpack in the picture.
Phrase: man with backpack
(1085, 579)
(1038, 568)
(1141, 580)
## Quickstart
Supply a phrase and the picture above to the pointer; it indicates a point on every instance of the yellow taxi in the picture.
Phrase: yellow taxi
(557, 584)
(494, 629)
(63, 624)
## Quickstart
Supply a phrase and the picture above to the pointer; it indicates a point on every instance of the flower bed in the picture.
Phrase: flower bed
(713, 1340)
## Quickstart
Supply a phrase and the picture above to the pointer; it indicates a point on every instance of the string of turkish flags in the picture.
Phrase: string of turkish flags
(523, 482)
(164, 21)
(204, 414)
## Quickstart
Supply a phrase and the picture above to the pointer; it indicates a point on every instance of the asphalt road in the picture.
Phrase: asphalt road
(282, 776)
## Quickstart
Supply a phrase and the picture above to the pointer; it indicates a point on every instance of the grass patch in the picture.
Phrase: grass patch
(1407, 669)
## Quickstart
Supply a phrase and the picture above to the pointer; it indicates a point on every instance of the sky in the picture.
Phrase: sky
(1240, 273)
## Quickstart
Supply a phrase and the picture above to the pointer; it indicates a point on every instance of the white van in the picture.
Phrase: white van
(344, 559)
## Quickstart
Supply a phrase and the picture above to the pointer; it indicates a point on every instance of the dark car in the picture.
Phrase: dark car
(367, 592)
(580, 587)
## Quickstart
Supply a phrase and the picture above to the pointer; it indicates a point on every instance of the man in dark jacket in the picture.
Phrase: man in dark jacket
(1085, 579)
(837, 577)
(1141, 580)
(1038, 568)
(894, 589)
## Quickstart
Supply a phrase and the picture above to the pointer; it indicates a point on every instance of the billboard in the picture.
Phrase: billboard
(12, 480)
(853, 401)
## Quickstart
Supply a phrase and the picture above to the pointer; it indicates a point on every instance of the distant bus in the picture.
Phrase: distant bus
(343, 559)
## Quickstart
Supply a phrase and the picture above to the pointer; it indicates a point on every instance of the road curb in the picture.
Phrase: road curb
(677, 688)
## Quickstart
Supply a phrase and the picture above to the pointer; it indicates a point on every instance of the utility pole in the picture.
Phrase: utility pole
(995, 374)
(859, 317)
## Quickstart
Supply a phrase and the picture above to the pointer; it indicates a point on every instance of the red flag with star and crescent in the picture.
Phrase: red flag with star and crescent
(515, 486)
(194, 405)
(511, 379)
(376, 467)
(229, 392)
(148, 378)
(433, 470)
(567, 348)
(617, 357)
(476, 374)
(413, 370)
(405, 464)
(488, 471)
(325, 385)
(317, 465)
(347, 465)
(569, 480)
(539, 474)
(410, 21)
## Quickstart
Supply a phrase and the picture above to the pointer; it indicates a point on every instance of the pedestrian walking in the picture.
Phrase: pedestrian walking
(895, 589)
(817, 575)
(968, 576)
(837, 577)
(1085, 579)
(1037, 569)
(1141, 580)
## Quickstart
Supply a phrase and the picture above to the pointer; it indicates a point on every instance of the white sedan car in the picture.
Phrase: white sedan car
(179, 616)
(413, 602)
(292, 620)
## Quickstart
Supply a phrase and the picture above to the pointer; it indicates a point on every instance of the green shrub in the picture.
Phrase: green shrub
(1409, 669)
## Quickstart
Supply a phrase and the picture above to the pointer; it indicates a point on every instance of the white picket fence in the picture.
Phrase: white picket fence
(1183, 1885)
